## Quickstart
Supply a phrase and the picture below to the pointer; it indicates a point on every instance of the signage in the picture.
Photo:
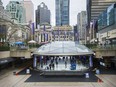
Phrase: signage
(112, 33)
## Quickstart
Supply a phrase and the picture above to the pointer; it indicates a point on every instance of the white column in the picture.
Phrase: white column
(90, 61)
(35, 61)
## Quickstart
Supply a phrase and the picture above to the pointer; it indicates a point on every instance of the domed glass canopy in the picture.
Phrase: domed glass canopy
(63, 48)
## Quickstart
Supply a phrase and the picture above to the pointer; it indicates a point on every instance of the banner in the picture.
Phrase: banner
(44, 29)
(58, 34)
(32, 28)
(34, 61)
(65, 33)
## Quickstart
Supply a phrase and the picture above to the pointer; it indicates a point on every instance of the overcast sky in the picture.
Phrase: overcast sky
(76, 6)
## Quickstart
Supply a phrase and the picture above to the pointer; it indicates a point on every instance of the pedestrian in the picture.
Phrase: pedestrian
(63, 58)
(50, 66)
(55, 59)
(47, 68)
(53, 66)
(59, 59)
(56, 63)
(65, 64)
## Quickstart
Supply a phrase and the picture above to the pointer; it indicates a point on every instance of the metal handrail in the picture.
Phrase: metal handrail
(105, 47)
(102, 47)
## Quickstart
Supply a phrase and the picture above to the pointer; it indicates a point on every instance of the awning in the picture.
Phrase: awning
(19, 43)
(32, 41)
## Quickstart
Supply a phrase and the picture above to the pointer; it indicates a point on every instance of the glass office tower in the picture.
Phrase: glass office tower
(42, 14)
(17, 11)
(62, 12)
(96, 7)
(107, 17)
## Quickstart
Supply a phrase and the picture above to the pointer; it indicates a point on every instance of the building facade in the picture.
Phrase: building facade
(29, 10)
(43, 34)
(3, 13)
(18, 30)
(62, 33)
(62, 12)
(82, 21)
(94, 9)
(42, 14)
(107, 26)
(4, 17)
(17, 11)
(76, 34)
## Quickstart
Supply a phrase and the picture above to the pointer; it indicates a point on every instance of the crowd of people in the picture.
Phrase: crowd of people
(52, 63)
(55, 61)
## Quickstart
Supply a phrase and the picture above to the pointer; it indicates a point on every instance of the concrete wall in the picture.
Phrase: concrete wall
(26, 54)
(100, 53)
(4, 54)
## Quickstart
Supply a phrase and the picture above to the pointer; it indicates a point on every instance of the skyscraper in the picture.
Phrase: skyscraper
(42, 14)
(107, 25)
(1, 3)
(96, 7)
(81, 21)
(17, 11)
(3, 25)
(62, 12)
(76, 35)
(29, 10)
(3, 13)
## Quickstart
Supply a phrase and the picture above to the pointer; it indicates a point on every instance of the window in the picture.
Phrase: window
(65, 2)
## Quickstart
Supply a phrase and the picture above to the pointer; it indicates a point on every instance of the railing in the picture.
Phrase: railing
(14, 48)
(34, 46)
(101, 47)
(106, 47)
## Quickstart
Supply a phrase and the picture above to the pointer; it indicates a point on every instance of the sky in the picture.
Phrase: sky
(76, 6)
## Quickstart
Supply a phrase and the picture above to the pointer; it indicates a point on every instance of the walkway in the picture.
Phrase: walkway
(10, 80)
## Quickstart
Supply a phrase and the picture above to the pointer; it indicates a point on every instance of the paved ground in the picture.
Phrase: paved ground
(37, 77)
(7, 79)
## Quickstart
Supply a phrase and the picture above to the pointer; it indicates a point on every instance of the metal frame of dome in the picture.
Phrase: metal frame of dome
(62, 48)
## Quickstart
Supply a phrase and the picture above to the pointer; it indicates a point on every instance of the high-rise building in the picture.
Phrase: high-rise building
(3, 13)
(81, 21)
(76, 34)
(62, 12)
(1, 3)
(17, 11)
(29, 10)
(94, 9)
(107, 26)
(5, 17)
(42, 14)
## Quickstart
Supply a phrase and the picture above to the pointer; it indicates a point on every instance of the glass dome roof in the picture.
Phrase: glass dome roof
(63, 48)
